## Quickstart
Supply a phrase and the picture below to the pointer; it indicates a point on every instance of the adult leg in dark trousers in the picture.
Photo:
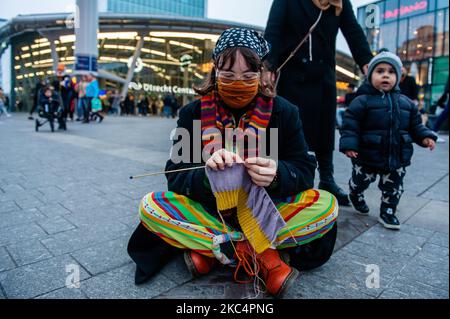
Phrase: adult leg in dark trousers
(441, 119)
(87, 109)
(149, 252)
(327, 182)
(313, 254)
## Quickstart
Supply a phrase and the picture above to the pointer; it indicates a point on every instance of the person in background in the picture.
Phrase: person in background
(309, 79)
(92, 91)
(159, 105)
(348, 98)
(67, 93)
(169, 105)
(80, 88)
(443, 116)
(409, 87)
(36, 96)
(3, 104)
(128, 104)
(143, 105)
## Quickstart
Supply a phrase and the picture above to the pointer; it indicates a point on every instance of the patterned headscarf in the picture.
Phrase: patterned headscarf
(244, 38)
(325, 4)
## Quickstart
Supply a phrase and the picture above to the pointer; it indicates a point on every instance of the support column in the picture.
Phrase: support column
(136, 55)
(86, 29)
(54, 55)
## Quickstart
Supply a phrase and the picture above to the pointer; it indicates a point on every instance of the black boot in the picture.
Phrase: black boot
(327, 183)
(388, 219)
(359, 204)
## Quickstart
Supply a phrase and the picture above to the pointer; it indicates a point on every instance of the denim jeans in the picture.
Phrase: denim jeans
(80, 108)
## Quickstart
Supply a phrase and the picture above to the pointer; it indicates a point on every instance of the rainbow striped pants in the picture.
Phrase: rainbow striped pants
(186, 224)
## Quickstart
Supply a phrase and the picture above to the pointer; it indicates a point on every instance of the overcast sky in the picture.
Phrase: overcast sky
(253, 12)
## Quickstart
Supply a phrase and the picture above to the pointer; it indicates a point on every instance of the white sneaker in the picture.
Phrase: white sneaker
(440, 140)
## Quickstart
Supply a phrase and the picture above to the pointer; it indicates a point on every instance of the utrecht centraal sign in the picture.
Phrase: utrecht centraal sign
(147, 87)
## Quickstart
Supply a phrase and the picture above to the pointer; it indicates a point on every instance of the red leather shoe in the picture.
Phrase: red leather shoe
(198, 264)
(278, 276)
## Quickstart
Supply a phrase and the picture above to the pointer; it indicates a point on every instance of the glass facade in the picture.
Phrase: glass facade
(417, 31)
(187, 8)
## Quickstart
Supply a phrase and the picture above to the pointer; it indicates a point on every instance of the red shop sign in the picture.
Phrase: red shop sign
(418, 6)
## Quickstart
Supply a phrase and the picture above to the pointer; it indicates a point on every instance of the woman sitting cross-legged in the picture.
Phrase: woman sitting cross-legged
(245, 209)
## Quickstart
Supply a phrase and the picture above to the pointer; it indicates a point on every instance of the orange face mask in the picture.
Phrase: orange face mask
(238, 94)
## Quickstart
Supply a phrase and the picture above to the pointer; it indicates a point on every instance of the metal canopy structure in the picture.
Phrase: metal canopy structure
(113, 22)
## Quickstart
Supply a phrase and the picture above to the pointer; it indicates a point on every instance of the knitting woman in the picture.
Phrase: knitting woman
(245, 210)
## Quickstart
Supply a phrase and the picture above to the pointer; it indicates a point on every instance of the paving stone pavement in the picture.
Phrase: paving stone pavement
(68, 208)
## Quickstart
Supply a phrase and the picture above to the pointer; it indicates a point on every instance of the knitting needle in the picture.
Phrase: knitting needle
(166, 172)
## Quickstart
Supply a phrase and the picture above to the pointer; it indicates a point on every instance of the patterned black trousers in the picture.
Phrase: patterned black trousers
(390, 184)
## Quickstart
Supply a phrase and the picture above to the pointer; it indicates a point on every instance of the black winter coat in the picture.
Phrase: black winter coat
(295, 166)
(311, 85)
(381, 127)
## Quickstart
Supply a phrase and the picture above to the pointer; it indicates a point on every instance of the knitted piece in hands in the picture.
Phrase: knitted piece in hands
(257, 214)
(226, 185)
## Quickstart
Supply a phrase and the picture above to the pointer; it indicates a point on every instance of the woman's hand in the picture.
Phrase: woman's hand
(429, 143)
(261, 170)
(351, 154)
(222, 158)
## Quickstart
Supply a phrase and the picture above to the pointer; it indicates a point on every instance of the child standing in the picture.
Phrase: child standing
(379, 128)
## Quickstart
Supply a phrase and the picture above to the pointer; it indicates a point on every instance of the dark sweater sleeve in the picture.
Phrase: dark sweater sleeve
(188, 183)
(354, 35)
(419, 131)
(295, 167)
(350, 131)
(274, 31)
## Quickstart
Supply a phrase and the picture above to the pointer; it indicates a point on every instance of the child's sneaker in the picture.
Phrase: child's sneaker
(359, 204)
(388, 220)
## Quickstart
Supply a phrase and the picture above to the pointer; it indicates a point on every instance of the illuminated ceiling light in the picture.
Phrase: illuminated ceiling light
(346, 72)
(187, 46)
(200, 36)
(118, 35)
(430, 48)
(25, 48)
(20, 77)
(155, 52)
(172, 58)
(40, 45)
(16, 58)
(17, 67)
(44, 61)
(67, 38)
(201, 77)
(41, 40)
(161, 62)
(419, 45)
(28, 64)
(158, 40)
(26, 55)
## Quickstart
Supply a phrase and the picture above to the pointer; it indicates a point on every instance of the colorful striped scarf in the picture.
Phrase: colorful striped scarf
(214, 115)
